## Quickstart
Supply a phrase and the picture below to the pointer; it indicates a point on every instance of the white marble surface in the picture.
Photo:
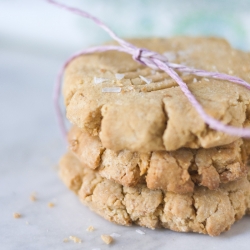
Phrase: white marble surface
(30, 146)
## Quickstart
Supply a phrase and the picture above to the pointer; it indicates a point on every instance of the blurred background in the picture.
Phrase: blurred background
(36, 26)
(35, 39)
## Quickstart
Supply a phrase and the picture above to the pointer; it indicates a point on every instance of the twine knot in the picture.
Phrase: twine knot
(156, 61)
(137, 55)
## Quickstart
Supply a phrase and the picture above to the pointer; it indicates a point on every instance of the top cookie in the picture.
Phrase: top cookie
(148, 111)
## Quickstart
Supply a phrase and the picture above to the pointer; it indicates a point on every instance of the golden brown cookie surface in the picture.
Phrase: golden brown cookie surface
(175, 171)
(153, 114)
(203, 211)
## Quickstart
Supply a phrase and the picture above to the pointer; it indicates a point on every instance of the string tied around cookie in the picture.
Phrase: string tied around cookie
(137, 55)
(153, 60)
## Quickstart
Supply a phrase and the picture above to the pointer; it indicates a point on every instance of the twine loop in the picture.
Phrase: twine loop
(155, 61)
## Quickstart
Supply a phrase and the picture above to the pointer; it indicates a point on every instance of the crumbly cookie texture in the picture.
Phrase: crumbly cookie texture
(151, 116)
(175, 171)
(247, 150)
(203, 211)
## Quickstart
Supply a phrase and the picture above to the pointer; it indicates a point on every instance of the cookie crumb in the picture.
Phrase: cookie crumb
(75, 239)
(206, 79)
(17, 215)
(90, 229)
(51, 204)
(139, 231)
(107, 238)
(33, 197)
(65, 240)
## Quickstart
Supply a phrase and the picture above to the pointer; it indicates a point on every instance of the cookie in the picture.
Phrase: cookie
(203, 211)
(148, 111)
(247, 150)
(175, 171)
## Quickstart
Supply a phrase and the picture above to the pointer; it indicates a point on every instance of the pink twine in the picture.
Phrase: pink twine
(154, 61)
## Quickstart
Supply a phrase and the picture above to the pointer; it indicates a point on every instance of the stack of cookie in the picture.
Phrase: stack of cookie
(139, 152)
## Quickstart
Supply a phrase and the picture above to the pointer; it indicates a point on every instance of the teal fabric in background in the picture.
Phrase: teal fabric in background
(38, 27)
(227, 18)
